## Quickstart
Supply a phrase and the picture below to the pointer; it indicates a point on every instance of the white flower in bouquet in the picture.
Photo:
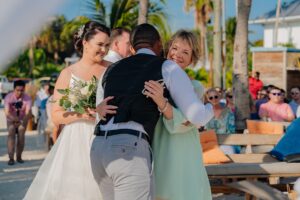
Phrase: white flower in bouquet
(79, 97)
(85, 91)
(73, 99)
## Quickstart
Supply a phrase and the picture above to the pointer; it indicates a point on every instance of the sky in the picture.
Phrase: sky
(179, 19)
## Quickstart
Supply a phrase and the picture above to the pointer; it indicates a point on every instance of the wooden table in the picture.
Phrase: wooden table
(251, 167)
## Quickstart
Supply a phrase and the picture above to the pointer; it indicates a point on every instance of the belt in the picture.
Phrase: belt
(122, 131)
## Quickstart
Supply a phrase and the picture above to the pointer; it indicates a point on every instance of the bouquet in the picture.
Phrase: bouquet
(79, 97)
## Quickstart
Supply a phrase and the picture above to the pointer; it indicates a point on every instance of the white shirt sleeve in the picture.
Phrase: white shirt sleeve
(184, 96)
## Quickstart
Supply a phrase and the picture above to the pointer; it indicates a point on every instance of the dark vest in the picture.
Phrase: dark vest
(125, 81)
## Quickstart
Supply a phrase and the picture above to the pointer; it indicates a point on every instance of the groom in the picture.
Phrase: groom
(121, 153)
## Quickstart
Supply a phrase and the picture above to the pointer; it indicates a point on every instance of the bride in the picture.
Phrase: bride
(66, 172)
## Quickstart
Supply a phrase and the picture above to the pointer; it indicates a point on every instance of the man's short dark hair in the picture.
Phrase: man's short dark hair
(144, 34)
(19, 83)
(116, 32)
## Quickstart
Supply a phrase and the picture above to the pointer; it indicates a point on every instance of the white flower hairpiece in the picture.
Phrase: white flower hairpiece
(80, 31)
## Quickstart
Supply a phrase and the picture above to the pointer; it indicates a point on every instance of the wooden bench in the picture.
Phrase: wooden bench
(262, 127)
(249, 166)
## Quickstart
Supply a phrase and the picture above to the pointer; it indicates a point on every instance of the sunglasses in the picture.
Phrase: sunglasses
(276, 94)
(294, 93)
(229, 96)
(213, 97)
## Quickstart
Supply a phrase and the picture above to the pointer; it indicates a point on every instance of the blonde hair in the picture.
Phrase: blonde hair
(228, 92)
(191, 39)
(211, 90)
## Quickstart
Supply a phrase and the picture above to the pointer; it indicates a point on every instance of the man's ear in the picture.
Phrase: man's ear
(116, 44)
(132, 50)
(157, 47)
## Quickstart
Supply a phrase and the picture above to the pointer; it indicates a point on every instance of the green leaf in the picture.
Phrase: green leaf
(63, 91)
(79, 109)
(67, 104)
(81, 103)
(61, 102)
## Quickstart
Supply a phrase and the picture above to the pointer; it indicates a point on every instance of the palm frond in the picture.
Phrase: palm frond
(158, 20)
(95, 10)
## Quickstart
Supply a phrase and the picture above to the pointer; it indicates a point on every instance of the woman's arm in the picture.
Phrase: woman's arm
(59, 115)
(155, 91)
(174, 120)
(290, 115)
(263, 113)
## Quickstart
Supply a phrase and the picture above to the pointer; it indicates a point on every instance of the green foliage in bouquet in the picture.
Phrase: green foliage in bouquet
(79, 97)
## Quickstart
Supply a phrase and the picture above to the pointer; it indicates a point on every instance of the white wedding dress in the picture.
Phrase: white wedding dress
(66, 173)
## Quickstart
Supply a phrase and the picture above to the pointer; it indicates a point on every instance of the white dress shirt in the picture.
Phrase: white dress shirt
(181, 91)
(112, 56)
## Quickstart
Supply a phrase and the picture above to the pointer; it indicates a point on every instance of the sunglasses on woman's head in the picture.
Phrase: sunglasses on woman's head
(229, 96)
(213, 97)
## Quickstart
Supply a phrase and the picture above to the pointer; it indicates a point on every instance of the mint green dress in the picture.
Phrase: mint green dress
(178, 165)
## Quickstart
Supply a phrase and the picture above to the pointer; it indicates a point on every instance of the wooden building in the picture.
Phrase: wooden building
(277, 66)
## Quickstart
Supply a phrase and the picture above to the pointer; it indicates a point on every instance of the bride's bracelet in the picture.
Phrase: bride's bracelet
(164, 108)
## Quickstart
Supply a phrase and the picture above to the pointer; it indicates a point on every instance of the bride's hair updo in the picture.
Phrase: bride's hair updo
(87, 32)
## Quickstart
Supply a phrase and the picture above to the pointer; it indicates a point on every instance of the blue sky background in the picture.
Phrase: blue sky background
(178, 18)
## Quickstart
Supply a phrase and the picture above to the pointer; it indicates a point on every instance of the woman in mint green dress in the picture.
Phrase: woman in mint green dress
(178, 166)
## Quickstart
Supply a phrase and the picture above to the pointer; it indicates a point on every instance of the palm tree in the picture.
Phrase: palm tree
(217, 63)
(230, 35)
(240, 67)
(202, 8)
(56, 37)
(124, 13)
(49, 39)
(143, 11)
(276, 23)
(66, 35)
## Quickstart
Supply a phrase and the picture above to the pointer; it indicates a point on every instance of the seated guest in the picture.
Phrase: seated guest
(223, 120)
(221, 94)
(262, 97)
(283, 96)
(295, 102)
(275, 109)
(229, 100)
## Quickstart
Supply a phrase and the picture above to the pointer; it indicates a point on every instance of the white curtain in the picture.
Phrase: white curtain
(19, 20)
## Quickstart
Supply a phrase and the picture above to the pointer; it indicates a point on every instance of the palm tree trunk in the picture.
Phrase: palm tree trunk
(200, 24)
(240, 66)
(276, 23)
(217, 44)
(31, 56)
(202, 41)
(143, 11)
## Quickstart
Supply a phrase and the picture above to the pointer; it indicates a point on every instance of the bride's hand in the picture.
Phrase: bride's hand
(103, 108)
(155, 91)
(91, 111)
(88, 116)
